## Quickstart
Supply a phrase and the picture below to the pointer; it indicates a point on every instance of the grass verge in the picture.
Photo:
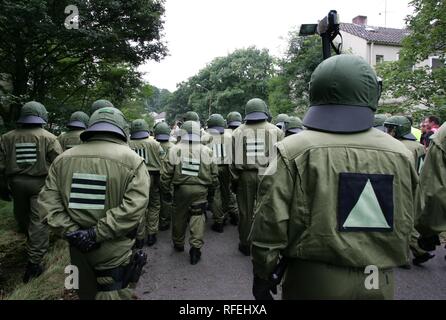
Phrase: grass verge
(50, 285)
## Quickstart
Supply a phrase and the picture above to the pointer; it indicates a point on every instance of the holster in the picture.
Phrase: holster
(198, 209)
(123, 275)
(117, 274)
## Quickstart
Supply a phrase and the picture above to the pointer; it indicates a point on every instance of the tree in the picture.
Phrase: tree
(224, 85)
(427, 31)
(405, 78)
(289, 89)
(40, 53)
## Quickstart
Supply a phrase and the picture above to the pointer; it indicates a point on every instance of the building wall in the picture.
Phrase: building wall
(360, 47)
(390, 53)
(355, 45)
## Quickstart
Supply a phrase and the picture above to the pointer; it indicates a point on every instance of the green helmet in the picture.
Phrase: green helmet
(293, 125)
(110, 120)
(101, 103)
(344, 93)
(162, 131)
(33, 112)
(281, 120)
(79, 120)
(216, 122)
(234, 119)
(402, 127)
(190, 131)
(256, 109)
(139, 129)
(378, 122)
(191, 116)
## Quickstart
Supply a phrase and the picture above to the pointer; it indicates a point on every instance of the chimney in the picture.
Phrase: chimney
(361, 20)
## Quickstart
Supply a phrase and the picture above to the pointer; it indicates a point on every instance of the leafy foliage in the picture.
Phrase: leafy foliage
(224, 85)
(422, 88)
(427, 31)
(47, 61)
(289, 89)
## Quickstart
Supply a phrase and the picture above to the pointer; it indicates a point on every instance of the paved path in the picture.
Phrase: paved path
(224, 273)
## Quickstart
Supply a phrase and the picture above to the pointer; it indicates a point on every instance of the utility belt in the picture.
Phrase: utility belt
(154, 173)
(123, 275)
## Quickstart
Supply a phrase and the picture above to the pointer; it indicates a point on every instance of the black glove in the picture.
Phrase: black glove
(429, 243)
(262, 289)
(84, 240)
(5, 193)
(234, 186)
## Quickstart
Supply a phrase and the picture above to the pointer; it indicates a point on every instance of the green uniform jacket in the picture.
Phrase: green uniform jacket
(150, 150)
(314, 196)
(189, 164)
(70, 139)
(432, 219)
(253, 146)
(165, 145)
(103, 184)
(417, 150)
(27, 151)
(221, 146)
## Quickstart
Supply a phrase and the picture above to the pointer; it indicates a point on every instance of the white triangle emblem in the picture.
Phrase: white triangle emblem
(367, 212)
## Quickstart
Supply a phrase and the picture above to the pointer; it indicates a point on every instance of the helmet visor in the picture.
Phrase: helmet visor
(103, 127)
(256, 116)
(76, 124)
(339, 118)
(31, 120)
(139, 135)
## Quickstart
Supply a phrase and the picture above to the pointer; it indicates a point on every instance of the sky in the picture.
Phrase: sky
(197, 31)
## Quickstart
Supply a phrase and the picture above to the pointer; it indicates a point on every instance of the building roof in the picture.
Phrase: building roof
(378, 35)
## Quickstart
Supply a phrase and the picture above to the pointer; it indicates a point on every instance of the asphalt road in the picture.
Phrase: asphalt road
(224, 273)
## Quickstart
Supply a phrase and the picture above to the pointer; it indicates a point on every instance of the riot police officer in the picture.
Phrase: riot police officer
(253, 149)
(339, 197)
(234, 120)
(432, 221)
(162, 135)
(150, 150)
(101, 103)
(292, 126)
(281, 120)
(194, 175)
(25, 156)
(378, 122)
(221, 145)
(77, 124)
(399, 127)
(95, 196)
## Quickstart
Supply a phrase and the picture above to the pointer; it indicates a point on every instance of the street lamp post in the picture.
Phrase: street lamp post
(210, 97)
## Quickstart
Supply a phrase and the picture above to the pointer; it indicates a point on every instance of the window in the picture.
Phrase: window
(436, 63)
(379, 58)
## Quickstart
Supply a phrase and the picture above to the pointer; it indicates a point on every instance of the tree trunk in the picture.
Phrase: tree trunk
(19, 82)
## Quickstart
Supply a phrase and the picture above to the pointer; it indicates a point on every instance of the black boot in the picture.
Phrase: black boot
(178, 247)
(139, 244)
(217, 227)
(233, 219)
(195, 255)
(32, 271)
(422, 259)
(151, 239)
(245, 249)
